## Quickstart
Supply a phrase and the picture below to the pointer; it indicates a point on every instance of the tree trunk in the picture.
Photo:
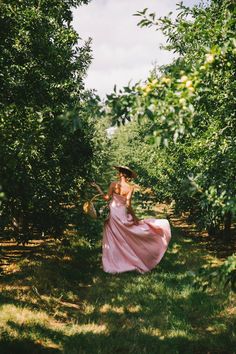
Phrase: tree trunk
(227, 223)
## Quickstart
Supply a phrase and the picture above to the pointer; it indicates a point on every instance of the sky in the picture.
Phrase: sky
(122, 52)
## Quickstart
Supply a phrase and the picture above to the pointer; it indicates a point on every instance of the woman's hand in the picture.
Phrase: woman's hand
(136, 220)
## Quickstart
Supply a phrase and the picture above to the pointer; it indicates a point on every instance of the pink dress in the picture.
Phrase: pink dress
(127, 246)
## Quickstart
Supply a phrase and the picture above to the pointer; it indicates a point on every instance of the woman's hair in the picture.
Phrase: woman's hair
(126, 173)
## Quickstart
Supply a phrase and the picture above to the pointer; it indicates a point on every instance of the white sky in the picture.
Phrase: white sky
(122, 51)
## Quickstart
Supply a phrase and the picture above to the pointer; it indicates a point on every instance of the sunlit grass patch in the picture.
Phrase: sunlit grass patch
(21, 323)
(152, 331)
(21, 315)
(108, 308)
(61, 301)
(86, 328)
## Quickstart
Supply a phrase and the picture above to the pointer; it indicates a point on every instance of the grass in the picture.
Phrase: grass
(57, 299)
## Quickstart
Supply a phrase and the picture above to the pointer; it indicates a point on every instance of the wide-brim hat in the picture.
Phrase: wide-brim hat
(133, 173)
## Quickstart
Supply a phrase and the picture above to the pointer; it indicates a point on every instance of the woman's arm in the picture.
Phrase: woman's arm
(104, 196)
(129, 207)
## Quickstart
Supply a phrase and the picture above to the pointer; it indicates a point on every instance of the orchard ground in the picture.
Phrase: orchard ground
(56, 298)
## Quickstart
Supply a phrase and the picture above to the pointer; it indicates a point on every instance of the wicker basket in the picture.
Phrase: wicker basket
(89, 208)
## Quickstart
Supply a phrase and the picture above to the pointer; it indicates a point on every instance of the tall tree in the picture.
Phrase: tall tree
(45, 148)
(190, 109)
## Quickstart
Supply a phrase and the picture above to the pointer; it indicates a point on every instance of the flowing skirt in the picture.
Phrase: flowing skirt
(128, 247)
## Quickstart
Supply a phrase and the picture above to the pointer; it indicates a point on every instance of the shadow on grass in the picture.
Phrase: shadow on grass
(135, 342)
(25, 346)
(123, 340)
(158, 312)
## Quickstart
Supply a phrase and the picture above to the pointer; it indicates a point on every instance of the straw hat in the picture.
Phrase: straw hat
(133, 173)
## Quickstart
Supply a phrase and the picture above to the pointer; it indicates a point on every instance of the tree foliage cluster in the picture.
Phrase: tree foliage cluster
(177, 129)
(182, 134)
(49, 145)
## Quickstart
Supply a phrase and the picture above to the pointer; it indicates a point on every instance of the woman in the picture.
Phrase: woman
(129, 243)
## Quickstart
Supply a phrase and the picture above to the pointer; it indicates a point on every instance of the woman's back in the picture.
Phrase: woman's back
(122, 189)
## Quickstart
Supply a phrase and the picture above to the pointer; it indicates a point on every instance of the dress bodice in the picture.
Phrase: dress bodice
(118, 199)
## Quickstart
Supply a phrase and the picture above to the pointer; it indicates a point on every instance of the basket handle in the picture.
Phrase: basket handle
(94, 197)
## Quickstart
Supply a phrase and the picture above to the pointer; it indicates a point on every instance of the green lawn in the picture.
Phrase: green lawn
(58, 300)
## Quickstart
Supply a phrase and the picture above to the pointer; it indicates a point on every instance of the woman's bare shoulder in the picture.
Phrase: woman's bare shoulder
(113, 183)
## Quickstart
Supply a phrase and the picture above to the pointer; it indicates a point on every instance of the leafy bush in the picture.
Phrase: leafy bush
(223, 276)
